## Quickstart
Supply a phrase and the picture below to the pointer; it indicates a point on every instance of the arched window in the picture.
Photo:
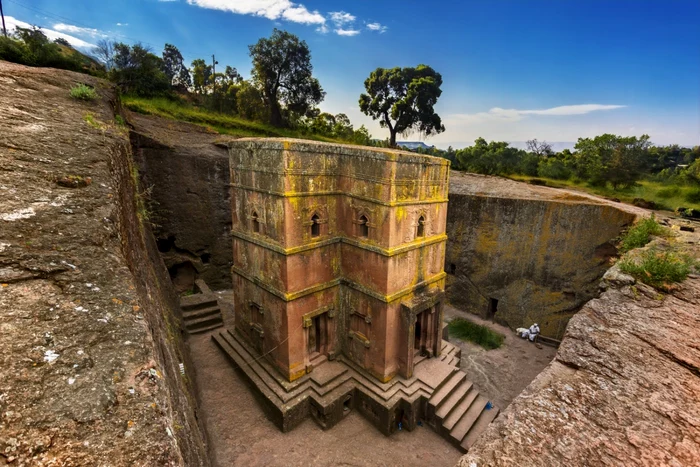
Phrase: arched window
(420, 231)
(315, 225)
(364, 228)
(256, 222)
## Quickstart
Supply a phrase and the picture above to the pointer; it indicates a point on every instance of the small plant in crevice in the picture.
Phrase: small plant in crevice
(119, 120)
(83, 92)
(467, 331)
(659, 269)
(640, 234)
(93, 122)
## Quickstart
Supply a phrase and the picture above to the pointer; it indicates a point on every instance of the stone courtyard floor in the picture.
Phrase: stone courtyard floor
(240, 434)
(503, 373)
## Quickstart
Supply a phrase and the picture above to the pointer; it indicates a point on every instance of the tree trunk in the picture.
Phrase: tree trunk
(275, 113)
(392, 140)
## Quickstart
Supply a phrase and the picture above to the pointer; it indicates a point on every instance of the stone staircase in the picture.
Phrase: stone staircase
(438, 393)
(458, 412)
(201, 311)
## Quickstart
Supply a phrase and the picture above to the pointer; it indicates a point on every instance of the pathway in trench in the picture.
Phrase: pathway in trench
(503, 373)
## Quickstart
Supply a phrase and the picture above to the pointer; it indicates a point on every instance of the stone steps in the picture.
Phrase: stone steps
(464, 424)
(454, 407)
(458, 411)
(453, 400)
(486, 417)
(201, 311)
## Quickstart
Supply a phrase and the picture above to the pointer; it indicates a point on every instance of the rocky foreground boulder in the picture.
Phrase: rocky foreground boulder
(624, 388)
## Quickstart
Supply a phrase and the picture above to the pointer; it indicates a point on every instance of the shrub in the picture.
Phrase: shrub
(669, 192)
(640, 234)
(83, 92)
(659, 269)
(553, 168)
(481, 335)
(693, 196)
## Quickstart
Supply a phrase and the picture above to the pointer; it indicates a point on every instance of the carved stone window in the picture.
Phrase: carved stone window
(363, 226)
(255, 221)
(315, 225)
(420, 228)
(256, 313)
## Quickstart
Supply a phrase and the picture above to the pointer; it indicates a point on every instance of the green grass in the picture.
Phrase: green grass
(640, 234)
(83, 92)
(93, 122)
(668, 197)
(218, 122)
(481, 335)
(659, 269)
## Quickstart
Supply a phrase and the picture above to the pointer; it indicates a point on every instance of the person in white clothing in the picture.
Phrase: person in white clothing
(529, 334)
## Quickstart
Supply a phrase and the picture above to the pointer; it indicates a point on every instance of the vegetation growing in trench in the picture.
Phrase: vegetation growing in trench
(476, 333)
(659, 269)
(641, 233)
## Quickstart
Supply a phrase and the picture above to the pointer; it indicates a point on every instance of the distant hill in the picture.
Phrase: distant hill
(413, 145)
(557, 146)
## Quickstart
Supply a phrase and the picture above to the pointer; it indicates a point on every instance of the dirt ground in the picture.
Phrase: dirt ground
(239, 433)
(503, 373)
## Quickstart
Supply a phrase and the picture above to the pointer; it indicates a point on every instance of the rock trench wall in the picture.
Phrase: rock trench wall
(520, 261)
(161, 309)
(188, 194)
(90, 349)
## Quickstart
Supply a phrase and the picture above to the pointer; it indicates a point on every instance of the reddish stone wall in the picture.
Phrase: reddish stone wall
(296, 271)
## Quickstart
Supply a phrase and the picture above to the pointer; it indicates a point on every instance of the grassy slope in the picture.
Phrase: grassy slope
(221, 123)
(647, 190)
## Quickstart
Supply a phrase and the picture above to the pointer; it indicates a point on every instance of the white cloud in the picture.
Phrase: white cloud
(322, 29)
(347, 32)
(377, 27)
(70, 29)
(341, 18)
(122, 24)
(270, 9)
(513, 115)
(299, 14)
(12, 23)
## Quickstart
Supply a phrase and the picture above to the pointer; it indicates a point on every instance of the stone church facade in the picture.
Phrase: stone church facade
(338, 250)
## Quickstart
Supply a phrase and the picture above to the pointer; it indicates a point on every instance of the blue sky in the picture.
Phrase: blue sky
(512, 69)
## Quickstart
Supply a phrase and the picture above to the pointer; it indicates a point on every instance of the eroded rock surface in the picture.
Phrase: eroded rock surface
(624, 388)
(89, 352)
(521, 254)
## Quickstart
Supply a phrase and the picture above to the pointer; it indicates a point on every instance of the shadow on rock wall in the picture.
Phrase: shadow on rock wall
(520, 261)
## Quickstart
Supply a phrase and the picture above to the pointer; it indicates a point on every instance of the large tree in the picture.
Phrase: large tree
(283, 72)
(175, 69)
(402, 99)
(617, 160)
(136, 70)
(201, 75)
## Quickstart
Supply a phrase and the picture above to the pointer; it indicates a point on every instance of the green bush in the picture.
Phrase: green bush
(481, 335)
(658, 269)
(693, 196)
(83, 92)
(669, 192)
(640, 234)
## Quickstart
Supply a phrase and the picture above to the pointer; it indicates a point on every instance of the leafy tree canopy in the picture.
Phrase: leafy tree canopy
(175, 69)
(283, 72)
(402, 99)
(139, 71)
